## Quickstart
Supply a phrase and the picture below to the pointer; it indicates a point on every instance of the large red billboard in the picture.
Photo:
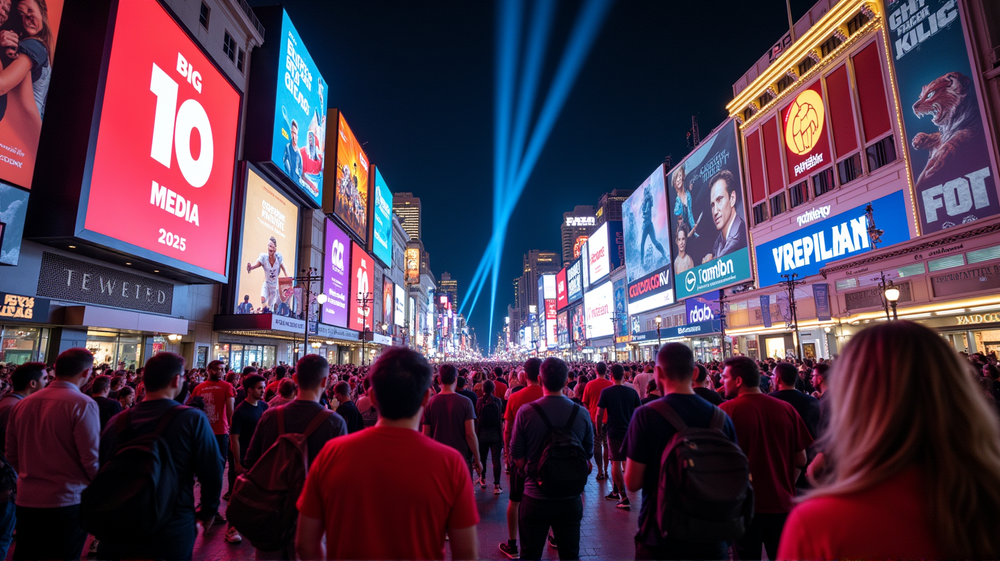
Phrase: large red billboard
(562, 294)
(163, 166)
(362, 287)
(807, 146)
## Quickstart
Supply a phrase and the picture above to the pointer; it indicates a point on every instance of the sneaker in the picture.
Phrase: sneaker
(227, 496)
(482, 481)
(552, 541)
(497, 490)
(93, 547)
(613, 496)
(233, 536)
(624, 504)
(509, 550)
(219, 519)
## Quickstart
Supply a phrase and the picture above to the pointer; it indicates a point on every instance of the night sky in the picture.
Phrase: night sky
(415, 81)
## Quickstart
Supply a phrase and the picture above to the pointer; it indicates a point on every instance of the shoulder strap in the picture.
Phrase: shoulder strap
(718, 419)
(281, 421)
(316, 422)
(668, 413)
(545, 418)
(168, 417)
(572, 416)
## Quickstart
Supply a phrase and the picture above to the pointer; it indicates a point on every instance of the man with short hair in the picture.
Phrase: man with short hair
(806, 406)
(347, 409)
(819, 375)
(530, 393)
(617, 403)
(241, 393)
(245, 419)
(219, 397)
(722, 198)
(649, 433)
(592, 395)
(193, 450)
(774, 438)
(701, 381)
(286, 393)
(412, 487)
(106, 407)
(539, 512)
(461, 388)
(25, 380)
(448, 419)
(641, 382)
(272, 389)
(52, 444)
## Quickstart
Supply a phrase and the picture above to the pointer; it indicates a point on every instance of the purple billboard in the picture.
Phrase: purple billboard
(335, 275)
(704, 307)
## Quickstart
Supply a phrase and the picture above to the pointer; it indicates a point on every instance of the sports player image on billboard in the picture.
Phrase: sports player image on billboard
(646, 223)
(705, 197)
(299, 140)
(350, 201)
(267, 250)
(29, 29)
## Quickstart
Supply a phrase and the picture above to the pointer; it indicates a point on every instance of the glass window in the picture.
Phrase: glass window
(22, 344)
(981, 255)
(229, 46)
(206, 12)
(946, 263)
(778, 204)
(911, 270)
(845, 284)
(881, 153)
(850, 168)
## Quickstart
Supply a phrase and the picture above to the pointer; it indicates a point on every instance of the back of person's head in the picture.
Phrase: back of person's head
(280, 371)
(531, 369)
(311, 371)
(677, 361)
(900, 398)
(342, 389)
(252, 380)
(553, 372)
(248, 370)
(22, 376)
(617, 372)
(602, 369)
(787, 373)
(286, 388)
(101, 383)
(72, 362)
(161, 370)
(651, 386)
(125, 392)
(117, 382)
(744, 368)
(701, 375)
(497, 371)
(460, 382)
(400, 378)
(448, 374)
(488, 387)
(822, 369)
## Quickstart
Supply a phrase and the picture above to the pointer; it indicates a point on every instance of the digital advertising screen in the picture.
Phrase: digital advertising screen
(562, 328)
(574, 281)
(167, 162)
(362, 283)
(705, 195)
(13, 212)
(562, 296)
(598, 257)
(955, 182)
(621, 308)
(269, 239)
(413, 314)
(646, 225)
(550, 323)
(299, 140)
(350, 193)
(336, 275)
(549, 284)
(584, 252)
(807, 144)
(599, 305)
(412, 264)
(703, 308)
(388, 304)
(578, 324)
(400, 314)
(382, 220)
(27, 84)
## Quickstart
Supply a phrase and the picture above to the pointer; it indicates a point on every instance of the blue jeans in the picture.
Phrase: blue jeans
(8, 517)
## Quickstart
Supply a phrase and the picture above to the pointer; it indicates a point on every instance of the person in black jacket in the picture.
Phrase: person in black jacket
(806, 405)
(347, 409)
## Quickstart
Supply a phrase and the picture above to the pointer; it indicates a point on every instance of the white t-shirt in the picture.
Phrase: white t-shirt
(271, 271)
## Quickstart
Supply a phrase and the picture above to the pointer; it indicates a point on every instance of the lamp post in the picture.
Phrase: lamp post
(659, 322)
(365, 301)
(308, 277)
(790, 283)
(892, 295)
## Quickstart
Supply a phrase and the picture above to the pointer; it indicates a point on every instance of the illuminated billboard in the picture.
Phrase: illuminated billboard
(562, 296)
(13, 210)
(161, 184)
(400, 313)
(807, 145)
(349, 197)
(388, 294)
(705, 195)
(578, 246)
(562, 328)
(412, 264)
(550, 323)
(362, 283)
(381, 220)
(299, 142)
(578, 324)
(268, 241)
(599, 305)
(336, 275)
(646, 223)
(598, 257)
(574, 281)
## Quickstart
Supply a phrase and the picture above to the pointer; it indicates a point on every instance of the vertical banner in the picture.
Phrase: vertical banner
(765, 309)
(621, 308)
(821, 295)
(949, 154)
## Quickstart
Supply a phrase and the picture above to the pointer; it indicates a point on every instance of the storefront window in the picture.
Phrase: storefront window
(707, 349)
(116, 349)
(23, 344)
(241, 356)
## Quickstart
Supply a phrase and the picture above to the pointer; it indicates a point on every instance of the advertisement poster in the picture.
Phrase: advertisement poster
(299, 141)
(387, 301)
(949, 154)
(167, 162)
(382, 220)
(412, 258)
(562, 328)
(562, 296)
(705, 195)
(818, 243)
(22, 108)
(350, 200)
(269, 238)
(598, 256)
(703, 308)
(13, 208)
(413, 314)
(362, 283)
(765, 309)
(578, 325)
(807, 145)
(336, 279)
(599, 303)
(646, 224)
(821, 295)
(400, 314)
(574, 281)
(551, 340)
(621, 308)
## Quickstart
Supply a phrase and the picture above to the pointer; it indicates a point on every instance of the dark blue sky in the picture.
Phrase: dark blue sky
(415, 81)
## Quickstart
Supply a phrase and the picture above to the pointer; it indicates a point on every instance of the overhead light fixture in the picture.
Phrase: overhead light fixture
(128, 263)
(72, 247)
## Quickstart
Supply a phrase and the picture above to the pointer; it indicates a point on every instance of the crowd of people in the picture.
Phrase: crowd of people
(893, 450)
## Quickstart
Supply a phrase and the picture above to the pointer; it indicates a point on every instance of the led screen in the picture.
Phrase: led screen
(362, 305)
(599, 304)
(562, 328)
(412, 263)
(382, 220)
(646, 224)
(350, 200)
(574, 281)
(387, 300)
(400, 314)
(578, 324)
(562, 297)
(598, 257)
(13, 211)
(336, 275)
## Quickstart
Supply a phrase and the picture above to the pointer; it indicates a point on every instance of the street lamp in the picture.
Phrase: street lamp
(659, 322)
(892, 295)
(365, 300)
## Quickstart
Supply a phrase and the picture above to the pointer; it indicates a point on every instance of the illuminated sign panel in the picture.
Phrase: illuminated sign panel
(387, 300)
(551, 339)
(350, 195)
(382, 220)
(646, 223)
(412, 258)
(400, 315)
(807, 145)
(599, 305)
(580, 221)
(549, 282)
(598, 259)
(574, 281)
(336, 276)
(562, 296)
(362, 283)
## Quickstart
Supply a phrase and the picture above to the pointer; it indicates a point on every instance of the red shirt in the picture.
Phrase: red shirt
(517, 399)
(890, 520)
(500, 389)
(215, 395)
(388, 493)
(770, 432)
(592, 395)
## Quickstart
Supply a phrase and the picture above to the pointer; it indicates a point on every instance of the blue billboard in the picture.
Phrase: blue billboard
(299, 140)
(822, 238)
(382, 220)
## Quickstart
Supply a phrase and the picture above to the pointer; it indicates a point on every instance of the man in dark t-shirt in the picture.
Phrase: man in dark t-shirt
(347, 409)
(807, 406)
(448, 419)
(647, 438)
(106, 407)
(701, 387)
(245, 419)
(461, 388)
(618, 401)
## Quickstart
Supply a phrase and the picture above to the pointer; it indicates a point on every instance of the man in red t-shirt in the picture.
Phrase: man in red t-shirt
(531, 392)
(219, 398)
(501, 386)
(591, 397)
(774, 438)
(414, 488)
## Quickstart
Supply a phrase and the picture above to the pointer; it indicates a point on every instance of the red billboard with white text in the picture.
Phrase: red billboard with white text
(162, 181)
(807, 146)
(362, 296)
(562, 294)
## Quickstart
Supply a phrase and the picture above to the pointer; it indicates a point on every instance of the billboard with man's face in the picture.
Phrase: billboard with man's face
(705, 197)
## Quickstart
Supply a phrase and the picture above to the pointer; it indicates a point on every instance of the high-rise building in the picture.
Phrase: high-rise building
(609, 207)
(517, 292)
(579, 223)
(449, 286)
(536, 263)
(408, 208)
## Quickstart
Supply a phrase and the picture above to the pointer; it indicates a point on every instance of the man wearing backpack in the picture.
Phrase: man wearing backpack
(187, 434)
(649, 435)
(26, 379)
(552, 444)
(245, 419)
(531, 392)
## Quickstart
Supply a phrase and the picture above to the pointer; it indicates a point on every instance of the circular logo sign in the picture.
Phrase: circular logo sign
(804, 122)
(690, 280)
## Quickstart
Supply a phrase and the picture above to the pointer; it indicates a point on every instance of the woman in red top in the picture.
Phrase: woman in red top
(913, 452)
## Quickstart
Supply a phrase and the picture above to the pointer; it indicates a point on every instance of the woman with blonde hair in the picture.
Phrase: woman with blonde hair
(913, 456)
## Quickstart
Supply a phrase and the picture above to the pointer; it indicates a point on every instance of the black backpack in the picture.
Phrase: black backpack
(490, 414)
(704, 491)
(562, 470)
(134, 492)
